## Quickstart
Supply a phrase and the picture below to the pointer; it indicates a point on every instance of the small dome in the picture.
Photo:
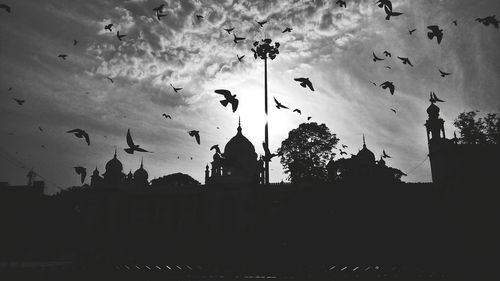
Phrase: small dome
(433, 110)
(114, 165)
(239, 147)
(141, 173)
(365, 155)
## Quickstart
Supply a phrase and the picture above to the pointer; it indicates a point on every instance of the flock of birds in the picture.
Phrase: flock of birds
(159, 12)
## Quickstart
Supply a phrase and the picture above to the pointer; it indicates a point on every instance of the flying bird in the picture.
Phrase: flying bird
(387, 54)
(159, 15)
(62, 56)
(195, 134)
(435, 32)
(384, 155)
(341, 3)
(342, 152)
(240, 59)
(411, 31)
(405, 61)
(132, 146)
(110, 79)
(5, 7)
(388, 85)
(167, 116)
(444, 74)
(304, 82)
(261, 23)
(236, 39)
(109, 27)
(75, 42)
(287, 29)
(390, 13)
(455, 22)
(120, 36)
(434, 98)
(268, 155)
(199, 17)
(393, 110)
(228, 30)
(279, 105)
(19, 102)
(229, 98)
(175, 89)
(488, 20)
(79, 133)
(82, 172)
(217, 149)
(298, 111)
(375, 58)
(309, 118)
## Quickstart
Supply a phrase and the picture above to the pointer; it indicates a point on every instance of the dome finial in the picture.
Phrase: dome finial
(239, 124)
(364, 143)
(142, 161)
(115, 152)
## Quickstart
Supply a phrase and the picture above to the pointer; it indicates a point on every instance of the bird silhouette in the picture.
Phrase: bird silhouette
(79, 133)
(229, 98)
(217, 149)
(19, 101)
(120, 36)
(384, 155)
(455, 22)
(228, 30)
(405, 61)
(261, 23)
(298, 111)
(175, 89)
(393, 110)
(489, 20)
(199, 17)
(305, 82)
(341, 3)
(390, 13)
(287, 29)
(132, 146)
(167, 116)
(444, 74)
(110, 79)
(387, 54)
(195, 134)
(411, 31)
(384, 4)
(309, 118)
(434, 98)
(75, 42)
(268, 155)
(82, 172)
(62, 56)
(435, 32)
(240, 59)
(388, 85)
(236, 38)
(5, 7)
(279, 105)
(159, 15)
(342, 152)
(375, 58)
(109, 27)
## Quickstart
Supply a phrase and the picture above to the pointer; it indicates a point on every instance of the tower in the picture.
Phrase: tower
(440, 149)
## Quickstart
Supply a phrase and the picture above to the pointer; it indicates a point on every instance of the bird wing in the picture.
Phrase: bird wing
(302, 80)
(225, 93)
(234, 104)
(86, 136)
(74, 131)
(391, 88)
(310, 85)
(130, 142)
(140, 149)
(197, 137)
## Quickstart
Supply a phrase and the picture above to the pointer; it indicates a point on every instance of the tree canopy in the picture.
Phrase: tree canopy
(307, 151)
(478, 130)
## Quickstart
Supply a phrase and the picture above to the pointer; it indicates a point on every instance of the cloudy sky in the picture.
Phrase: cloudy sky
(331, 45)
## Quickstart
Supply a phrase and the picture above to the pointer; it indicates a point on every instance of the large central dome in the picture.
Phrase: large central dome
(239, 148)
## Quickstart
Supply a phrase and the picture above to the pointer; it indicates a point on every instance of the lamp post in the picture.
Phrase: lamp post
(265, 50)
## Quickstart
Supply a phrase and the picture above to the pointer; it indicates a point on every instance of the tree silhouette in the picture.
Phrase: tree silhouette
(306, 152)
(174, 180)
(265, 50)
(474, 130)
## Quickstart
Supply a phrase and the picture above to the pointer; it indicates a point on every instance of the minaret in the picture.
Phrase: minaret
(207, 174)
(434, 124)
(437, 142)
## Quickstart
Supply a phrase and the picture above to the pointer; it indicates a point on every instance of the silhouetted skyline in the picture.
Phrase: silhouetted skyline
(71, 73)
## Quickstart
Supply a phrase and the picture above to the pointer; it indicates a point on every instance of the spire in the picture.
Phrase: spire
(364, 142)
(239, 125)
(142, 162)
(115, 152)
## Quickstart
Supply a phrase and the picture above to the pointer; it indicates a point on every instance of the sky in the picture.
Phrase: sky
(329, 44)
